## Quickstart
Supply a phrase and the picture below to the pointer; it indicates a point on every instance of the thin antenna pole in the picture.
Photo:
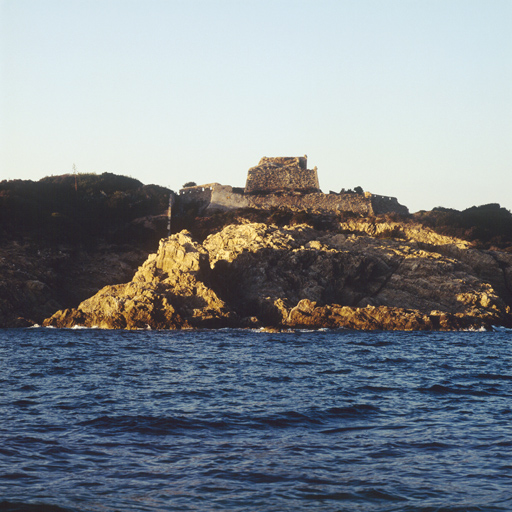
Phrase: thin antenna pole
(169, 215)
(76, 183)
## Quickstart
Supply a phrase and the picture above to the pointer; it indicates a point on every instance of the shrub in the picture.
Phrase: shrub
(391, 233)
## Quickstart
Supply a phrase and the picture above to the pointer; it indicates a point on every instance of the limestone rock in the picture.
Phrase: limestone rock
(308, 315)
(254, 266)
(258, 275)
(166, 293)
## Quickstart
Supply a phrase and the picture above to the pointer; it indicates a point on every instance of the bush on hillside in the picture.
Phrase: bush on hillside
(486, 226)
(74, 208)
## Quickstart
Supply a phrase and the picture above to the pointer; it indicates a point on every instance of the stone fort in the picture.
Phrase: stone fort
(283, 182)
(282, 174)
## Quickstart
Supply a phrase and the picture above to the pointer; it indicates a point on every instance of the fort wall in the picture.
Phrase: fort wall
(282, 182)
(281, 174)
(385, 204)
(224, 198)
(314, 202)
(213, 197)
(294, 161)
(195, 199)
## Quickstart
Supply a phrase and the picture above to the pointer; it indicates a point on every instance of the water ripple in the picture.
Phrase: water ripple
(233, 420)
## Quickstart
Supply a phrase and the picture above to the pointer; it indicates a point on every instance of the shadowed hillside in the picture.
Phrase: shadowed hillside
(80, 209)
(485, 226)
(64, 237)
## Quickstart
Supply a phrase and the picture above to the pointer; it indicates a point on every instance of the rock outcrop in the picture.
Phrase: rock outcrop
(364, 276)
(169, 291)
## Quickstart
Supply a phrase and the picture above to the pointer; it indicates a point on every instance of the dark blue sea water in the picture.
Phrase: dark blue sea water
(94, 420)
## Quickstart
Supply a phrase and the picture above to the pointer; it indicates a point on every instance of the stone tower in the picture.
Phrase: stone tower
(282, 174)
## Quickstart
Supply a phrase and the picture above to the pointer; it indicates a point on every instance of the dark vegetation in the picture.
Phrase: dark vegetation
(488, 226)
(82, 209)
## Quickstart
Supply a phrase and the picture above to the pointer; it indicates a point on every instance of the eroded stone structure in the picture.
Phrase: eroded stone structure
(283, 182)
(282, 174)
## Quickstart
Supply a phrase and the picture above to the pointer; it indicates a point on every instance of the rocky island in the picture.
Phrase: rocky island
(291, 257)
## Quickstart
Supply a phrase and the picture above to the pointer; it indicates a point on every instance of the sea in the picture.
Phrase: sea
(241, 420)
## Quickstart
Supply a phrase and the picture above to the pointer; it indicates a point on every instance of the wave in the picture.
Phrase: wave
(493, 376)
(169, 425)
(439, 389)
(156, 425)
(372, 494)
(499, 328)
(377, 389)
(11, 506)
(352, 411)
(475, 329)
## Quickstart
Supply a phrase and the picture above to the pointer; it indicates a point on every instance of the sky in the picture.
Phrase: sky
(405, 98)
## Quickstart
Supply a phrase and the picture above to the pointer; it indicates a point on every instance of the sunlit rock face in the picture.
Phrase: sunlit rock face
(361, 276)
(167, 292)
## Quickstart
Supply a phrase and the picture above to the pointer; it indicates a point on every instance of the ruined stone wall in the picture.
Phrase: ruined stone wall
(215, 197)
(315, 202)
(383, 204)
(278, 174)
(198, 198)
(273, 179)
(294, 161)
(209, 198)
(223, 198)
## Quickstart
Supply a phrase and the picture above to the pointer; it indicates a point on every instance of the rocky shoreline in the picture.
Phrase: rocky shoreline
(36, 281)
(364, 275)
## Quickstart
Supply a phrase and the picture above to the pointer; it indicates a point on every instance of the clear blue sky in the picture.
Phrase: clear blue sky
(402, 97)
